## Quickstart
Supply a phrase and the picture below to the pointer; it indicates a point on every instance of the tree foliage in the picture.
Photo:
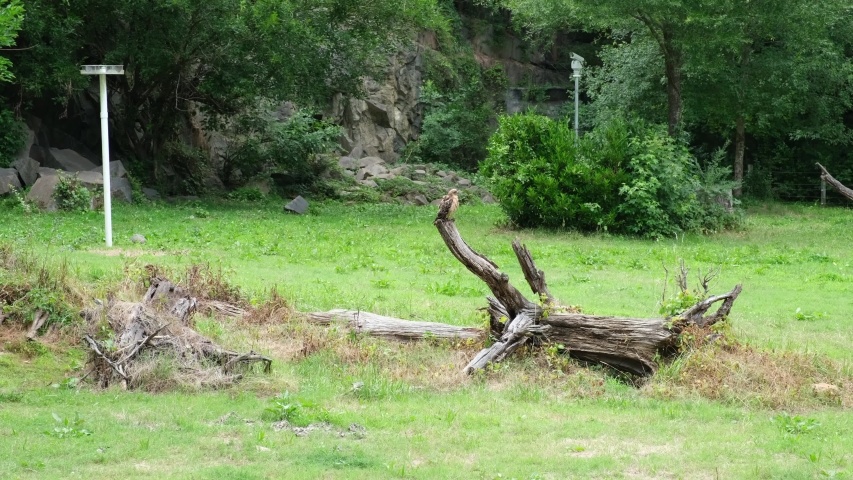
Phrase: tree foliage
(218, 55)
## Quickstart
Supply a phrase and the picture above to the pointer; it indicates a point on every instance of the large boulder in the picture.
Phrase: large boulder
(119, 187)
(28, 170)
(42, 192)
(8, 180)
(69, 160)
(116, 169)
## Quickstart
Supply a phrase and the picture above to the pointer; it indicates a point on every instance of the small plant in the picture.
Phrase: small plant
(802, 316)
(71, 195)
(795, 425)
(247, 194)
(68, 428)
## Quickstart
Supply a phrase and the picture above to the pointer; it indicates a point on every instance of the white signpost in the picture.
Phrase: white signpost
(103, 71)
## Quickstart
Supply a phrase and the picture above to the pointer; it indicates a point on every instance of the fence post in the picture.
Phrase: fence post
(822, 191)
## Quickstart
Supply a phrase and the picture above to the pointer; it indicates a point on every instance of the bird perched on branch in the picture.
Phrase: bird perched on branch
(448, 206)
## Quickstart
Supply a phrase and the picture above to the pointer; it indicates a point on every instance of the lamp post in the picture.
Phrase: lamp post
(577, 66)
(103, 71)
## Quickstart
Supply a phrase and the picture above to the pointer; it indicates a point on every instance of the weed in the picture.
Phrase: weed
(68, 428)
(27, 348)
(795, 425)
(808, 317)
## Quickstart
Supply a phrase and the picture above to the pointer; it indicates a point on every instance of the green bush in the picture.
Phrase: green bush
(624, 178)
(11, 137)
(71, 195)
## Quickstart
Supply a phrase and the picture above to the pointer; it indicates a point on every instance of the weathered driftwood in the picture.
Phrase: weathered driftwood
(627, 344)
(382, 326)
(161, 325)
(39, 319)
(835, 183)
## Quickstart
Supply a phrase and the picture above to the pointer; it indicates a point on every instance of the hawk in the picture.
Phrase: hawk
(448, 206)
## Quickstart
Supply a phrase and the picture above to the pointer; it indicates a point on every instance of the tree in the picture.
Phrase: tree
(668, 22)
(774, 70)
(220, 55)
(11, 15)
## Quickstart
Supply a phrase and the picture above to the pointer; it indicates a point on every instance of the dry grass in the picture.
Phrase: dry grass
(742, 375)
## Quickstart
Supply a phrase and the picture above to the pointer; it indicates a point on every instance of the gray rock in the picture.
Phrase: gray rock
(70, 161)
(369, 183)
(368, 161)
(24, 152)
(45, 171)
(362, 174)
(298, 205)
(357, 152)
(116, 169)
(42, 192)
(8, 180)
(151, 194)
(420, 200)
(441, 173)
(489, 199)
(419, 174)
(28, 170)
(120, 189)
(418, 182)
(436, 202)
(137, 239)
(349, 163)
(464, 182)
(376, 169)
(398, 171)
(386, 176)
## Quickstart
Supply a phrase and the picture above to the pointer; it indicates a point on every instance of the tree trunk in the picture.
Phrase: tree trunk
(740, 145)
(673, 62)
(626, 344)
(382, 326)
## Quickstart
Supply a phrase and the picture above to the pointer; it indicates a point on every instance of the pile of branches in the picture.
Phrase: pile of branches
(156, 335)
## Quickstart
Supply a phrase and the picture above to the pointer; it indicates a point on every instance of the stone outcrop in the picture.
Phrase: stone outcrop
(389, 117)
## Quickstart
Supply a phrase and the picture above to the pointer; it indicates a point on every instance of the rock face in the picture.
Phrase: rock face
(8, 180)
(390, 116)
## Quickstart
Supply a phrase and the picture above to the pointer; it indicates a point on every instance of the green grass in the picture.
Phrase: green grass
(390, 260)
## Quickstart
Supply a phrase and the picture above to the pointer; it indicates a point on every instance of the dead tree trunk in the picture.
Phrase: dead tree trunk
(390, 327)
(626, 344)
(848, 193)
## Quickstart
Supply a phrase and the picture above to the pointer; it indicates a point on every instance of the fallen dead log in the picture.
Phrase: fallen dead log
(835, 183)
(627, 344)
(158, 329)
(390, 327)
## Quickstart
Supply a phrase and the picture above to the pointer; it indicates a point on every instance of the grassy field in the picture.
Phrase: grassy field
(715, 414)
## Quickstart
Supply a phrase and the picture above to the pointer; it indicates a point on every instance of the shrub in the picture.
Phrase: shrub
(71, 195)
(11, 137)
(289, 148)
(622, 177)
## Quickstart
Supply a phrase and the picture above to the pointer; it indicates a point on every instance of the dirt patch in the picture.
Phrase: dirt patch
(123, 252)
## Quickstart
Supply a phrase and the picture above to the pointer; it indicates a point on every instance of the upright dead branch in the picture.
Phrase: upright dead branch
(627, 344)
(848, 193)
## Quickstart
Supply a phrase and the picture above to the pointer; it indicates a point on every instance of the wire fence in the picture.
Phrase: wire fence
(803, 186)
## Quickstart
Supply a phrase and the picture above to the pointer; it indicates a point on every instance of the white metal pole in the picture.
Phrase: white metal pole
(577, 77)
(105, 158)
